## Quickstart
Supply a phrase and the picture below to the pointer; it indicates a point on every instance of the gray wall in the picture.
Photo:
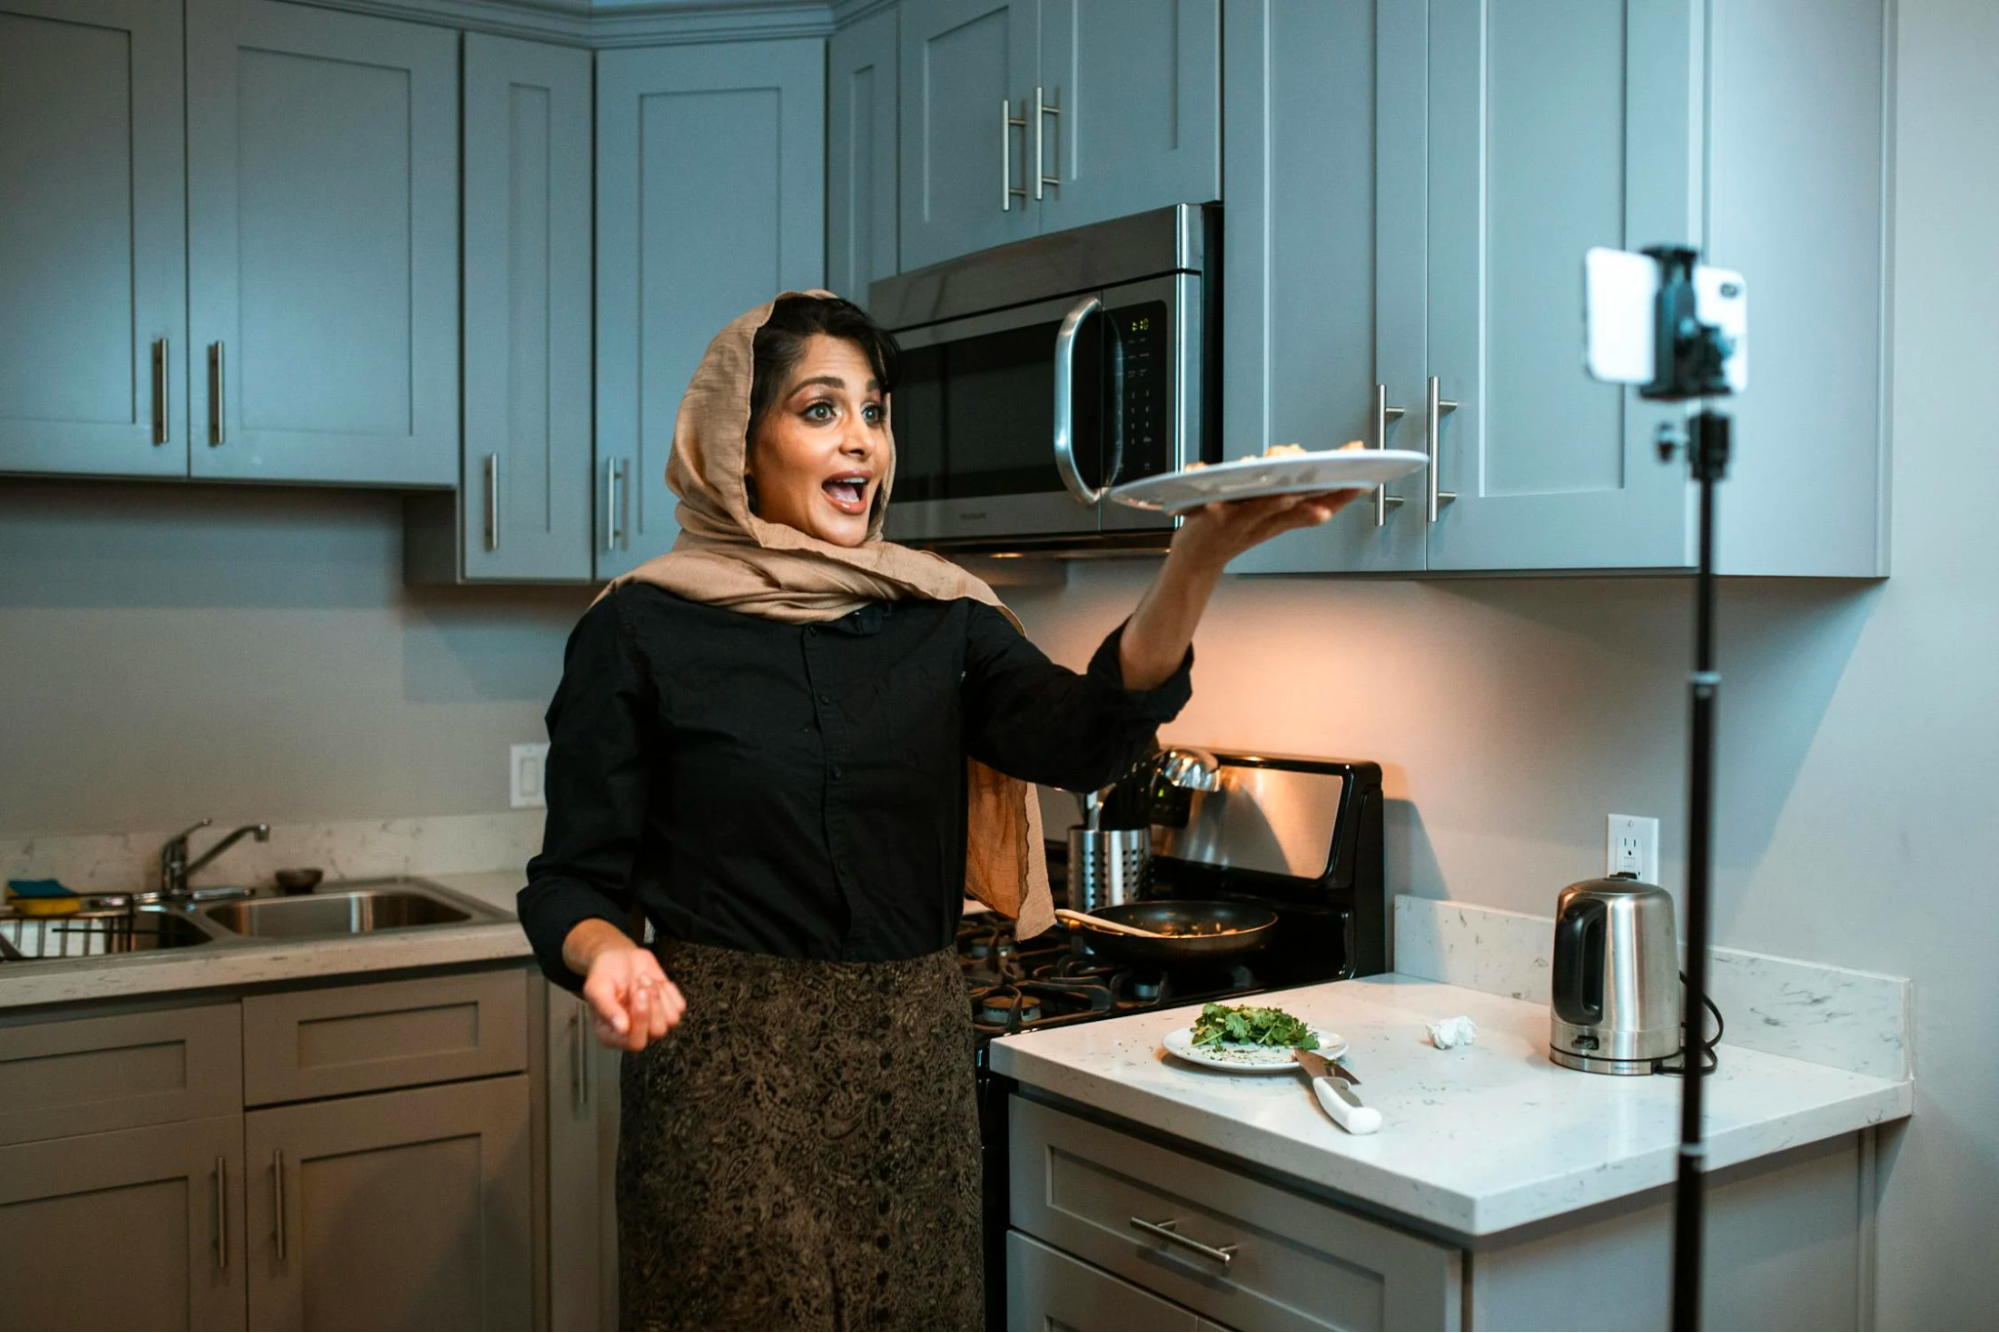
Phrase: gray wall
(171, 651)
(1859, 723)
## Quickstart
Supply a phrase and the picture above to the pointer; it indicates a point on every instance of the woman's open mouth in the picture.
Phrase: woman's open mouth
(848, 494)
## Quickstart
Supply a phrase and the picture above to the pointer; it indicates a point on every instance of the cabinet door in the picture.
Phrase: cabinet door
(140, 1228)
(93, 288)
(582, 1146)
(1307, 337)
(1554, 125)
(1047, 1289)
(323, 245)
(710, 201)
(525, 492)
(1136, 93)
(968, 67)
(860, 155)
(397, 1210)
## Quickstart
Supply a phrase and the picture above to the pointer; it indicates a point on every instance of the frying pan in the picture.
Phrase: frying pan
(1249, 928)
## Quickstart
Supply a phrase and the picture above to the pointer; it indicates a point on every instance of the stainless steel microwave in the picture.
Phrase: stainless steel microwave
(1035, 376)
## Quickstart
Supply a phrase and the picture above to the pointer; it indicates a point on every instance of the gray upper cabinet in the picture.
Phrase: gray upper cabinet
(1132, 105)
(323, 245)
(1025, 116)
(522, 511)
(710, 201)
(1304, 333)
(1554, 126)
(861, 177)
(93, 287)
(968, 71)
(159, 1211)
(1429, 214)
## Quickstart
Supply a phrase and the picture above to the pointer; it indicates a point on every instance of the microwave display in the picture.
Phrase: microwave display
(975, 416)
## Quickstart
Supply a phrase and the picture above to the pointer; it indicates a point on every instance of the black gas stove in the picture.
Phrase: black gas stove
(1302, 837)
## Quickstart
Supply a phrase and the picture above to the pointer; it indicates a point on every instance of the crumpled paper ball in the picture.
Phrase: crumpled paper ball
(1449, 1032)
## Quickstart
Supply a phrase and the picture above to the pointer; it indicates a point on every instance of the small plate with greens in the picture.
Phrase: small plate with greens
(1249, 1039)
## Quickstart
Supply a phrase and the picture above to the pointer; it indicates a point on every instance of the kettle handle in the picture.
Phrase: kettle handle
(1578, 978)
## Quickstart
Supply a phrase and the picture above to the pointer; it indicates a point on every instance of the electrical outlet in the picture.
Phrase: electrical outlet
(525, 764)
(1631, 846)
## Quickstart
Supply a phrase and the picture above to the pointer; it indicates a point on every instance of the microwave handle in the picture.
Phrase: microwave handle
(1065, 403)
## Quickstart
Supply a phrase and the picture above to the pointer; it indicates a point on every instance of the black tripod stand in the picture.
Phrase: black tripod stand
(1692, 356)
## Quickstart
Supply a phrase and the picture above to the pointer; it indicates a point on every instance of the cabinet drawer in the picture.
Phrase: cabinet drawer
(88, 1075)
(1047, 1289)
(1294, 1261)
(392, 1034)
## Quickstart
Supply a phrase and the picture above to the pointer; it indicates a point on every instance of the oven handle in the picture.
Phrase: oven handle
(1065, 403)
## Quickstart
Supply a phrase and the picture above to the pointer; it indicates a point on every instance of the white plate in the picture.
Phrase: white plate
(1292, 474)
(1239, 1058)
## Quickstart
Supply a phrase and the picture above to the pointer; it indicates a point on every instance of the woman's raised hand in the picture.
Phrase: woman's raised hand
(632, 1003)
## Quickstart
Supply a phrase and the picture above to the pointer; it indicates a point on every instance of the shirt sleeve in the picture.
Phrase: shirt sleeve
(599, 734)
(1032, 719)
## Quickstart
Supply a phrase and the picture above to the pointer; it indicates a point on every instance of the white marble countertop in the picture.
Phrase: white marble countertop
(249, 963)
(1477, 1139)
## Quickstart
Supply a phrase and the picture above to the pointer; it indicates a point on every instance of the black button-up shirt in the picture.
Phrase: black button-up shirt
(799, 790)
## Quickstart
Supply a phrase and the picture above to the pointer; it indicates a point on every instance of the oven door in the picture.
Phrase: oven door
(974, 418)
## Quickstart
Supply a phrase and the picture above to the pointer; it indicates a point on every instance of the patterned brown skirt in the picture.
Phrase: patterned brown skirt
(803, 1151)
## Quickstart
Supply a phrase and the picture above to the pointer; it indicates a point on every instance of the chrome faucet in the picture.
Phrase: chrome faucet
(175, 867)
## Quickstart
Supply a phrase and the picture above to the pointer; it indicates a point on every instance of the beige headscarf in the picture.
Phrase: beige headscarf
(727, 556)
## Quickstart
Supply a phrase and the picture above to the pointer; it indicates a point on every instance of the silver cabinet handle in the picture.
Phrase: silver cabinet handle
(1065, 403)
(1042, 110)
(1008, 123)
(492, 502)
(1437, 499)
(218, 412)
(222, 1212)
(1221, 1254)
(1383, 414)
(614, 505)
(278, 1197)
(162, 363)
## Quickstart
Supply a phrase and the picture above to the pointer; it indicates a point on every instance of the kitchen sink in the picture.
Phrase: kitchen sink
(96, 931)
(358, 909)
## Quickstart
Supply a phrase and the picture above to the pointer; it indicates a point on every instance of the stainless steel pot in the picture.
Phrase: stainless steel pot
(1108, 867)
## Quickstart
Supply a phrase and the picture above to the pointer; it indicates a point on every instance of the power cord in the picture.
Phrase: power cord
(1710, 1059)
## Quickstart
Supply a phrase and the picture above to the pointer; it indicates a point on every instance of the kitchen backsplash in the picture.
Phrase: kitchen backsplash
(348, 849)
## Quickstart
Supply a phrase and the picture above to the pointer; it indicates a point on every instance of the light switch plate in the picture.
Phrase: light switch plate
(525, 767)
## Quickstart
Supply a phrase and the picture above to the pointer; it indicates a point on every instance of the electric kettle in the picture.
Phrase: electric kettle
(1617, 995)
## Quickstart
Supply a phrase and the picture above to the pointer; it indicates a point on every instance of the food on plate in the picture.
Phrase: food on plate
(1251, 1025)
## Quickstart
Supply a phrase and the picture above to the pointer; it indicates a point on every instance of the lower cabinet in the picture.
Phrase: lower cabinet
(1047, 1289)
(137, 1228)
(582, 1109)
(405, 1209)
(1225, 1246)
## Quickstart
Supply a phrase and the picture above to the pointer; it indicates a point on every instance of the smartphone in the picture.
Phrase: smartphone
(1620, 291)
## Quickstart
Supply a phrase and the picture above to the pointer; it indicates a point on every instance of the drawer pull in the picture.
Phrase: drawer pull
(1224, 1254)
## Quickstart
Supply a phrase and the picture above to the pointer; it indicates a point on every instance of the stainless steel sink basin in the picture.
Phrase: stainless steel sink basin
(96, 931)
(356, 909)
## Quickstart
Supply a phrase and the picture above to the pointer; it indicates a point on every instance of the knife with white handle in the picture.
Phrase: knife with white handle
(1332, 1083)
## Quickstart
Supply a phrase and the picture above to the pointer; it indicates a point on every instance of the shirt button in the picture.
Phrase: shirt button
(838, 774)
(825, 698)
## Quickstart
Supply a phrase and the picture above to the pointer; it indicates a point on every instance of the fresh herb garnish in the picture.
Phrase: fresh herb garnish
(1251, 1026)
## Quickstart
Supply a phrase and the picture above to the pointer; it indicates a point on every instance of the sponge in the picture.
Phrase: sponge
(41, 897)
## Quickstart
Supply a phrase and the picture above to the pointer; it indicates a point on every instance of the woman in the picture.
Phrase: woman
(790, 746)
